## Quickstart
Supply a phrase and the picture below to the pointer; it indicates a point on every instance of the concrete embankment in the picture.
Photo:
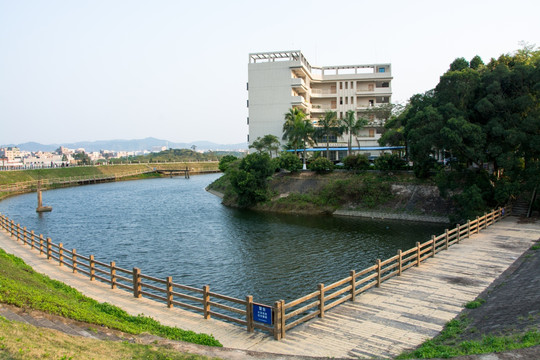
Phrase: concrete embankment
(392, 216)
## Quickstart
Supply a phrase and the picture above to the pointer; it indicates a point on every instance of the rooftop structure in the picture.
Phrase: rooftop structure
(281, 80)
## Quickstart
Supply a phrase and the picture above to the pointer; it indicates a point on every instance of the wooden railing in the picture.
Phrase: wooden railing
(326, 297)
(200, 300)
(68, 180)
(285, 315)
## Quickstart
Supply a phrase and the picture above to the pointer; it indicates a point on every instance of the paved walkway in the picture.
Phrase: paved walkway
(399, 315)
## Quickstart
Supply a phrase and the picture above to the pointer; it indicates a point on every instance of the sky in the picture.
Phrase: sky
(90, 70)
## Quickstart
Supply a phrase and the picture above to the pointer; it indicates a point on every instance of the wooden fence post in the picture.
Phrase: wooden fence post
(378, 263)
(400, 262)
(282, 318)
(41, 240)
(49, 248)
(32, 239)
(206, 301)
(446, 238)
(468, 228)
(74, 260)
(417, 253)
(18, 230)
(277, 320)
(113, 275)
(249, 313)
(137, 282)
(60, 254)
(433, 245)
(458, 233)
(353, 285)
(321, 300)
(169, 292)
(92, 268)
(485, 220)
(12, 227)
(477, 224)
(25, 238)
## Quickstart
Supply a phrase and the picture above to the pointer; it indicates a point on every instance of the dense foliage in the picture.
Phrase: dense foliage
(321, 165)
(356, 162)
(176, 155)
(225, 162)
(250, 179)
(290, 162)
(485, 122)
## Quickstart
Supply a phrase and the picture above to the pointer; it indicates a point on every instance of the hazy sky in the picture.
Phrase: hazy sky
(75, 70)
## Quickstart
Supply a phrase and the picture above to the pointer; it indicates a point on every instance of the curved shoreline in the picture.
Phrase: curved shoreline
(375, 214)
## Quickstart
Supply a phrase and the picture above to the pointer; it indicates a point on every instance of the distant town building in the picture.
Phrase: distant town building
(10, 153)
(281, 80)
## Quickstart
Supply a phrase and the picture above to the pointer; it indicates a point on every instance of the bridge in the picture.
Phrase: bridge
(382, 322)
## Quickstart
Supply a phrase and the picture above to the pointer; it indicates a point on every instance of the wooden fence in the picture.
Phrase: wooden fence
(285, 316)
(68, 181)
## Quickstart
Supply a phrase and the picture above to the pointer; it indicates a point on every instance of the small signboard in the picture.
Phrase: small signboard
(262, 313)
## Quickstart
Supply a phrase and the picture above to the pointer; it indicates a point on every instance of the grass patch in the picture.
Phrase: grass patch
(21, 286)
(436, 349)
(448, 344)
(23, 341)
(475, 304)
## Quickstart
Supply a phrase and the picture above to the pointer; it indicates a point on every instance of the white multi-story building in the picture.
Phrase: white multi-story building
(281, 80)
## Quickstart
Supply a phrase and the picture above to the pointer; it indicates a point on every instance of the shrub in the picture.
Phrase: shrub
(289, 161)
(226, 161)
(249, 181)
(356, 162)
(388, 162)
(321, 165)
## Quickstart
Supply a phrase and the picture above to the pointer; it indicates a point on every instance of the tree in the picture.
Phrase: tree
(353, 126)
(290, 127)
(226, 161)
(298, 129)
(271, 143)
(326, 127)
(249, 180)
(257, 145)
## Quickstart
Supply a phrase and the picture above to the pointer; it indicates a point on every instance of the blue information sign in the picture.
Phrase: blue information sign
(262, 313)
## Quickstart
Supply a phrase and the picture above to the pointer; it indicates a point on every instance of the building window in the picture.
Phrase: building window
(248, 137)
(248, 120)
(381, 70)
(340, 86)
(247, 86)
(340, 101)
(247, 103)
(371, 102)
(371, 132)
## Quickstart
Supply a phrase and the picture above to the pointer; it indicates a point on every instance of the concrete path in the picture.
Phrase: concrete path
(399, 315)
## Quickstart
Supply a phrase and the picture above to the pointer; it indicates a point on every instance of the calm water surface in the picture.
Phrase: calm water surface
(173, 227)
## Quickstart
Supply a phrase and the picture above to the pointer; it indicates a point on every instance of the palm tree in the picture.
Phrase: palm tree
(271, 143)
(290, 126)
(353, 126)
(298, 129)
(328, 126)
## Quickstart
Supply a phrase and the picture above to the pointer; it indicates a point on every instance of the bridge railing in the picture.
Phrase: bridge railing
(201, 300)
(285, 316)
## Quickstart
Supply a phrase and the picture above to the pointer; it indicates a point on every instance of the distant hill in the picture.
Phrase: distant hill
(128, 145)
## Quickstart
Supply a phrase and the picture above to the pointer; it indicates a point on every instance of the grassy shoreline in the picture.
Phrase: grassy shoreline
(21, 286)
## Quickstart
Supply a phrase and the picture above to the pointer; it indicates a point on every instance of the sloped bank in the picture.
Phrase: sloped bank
(374, 194)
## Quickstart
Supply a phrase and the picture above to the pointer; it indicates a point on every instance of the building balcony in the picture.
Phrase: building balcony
(323, 93)
(299, 84)
(380, 91)
(299, 101)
